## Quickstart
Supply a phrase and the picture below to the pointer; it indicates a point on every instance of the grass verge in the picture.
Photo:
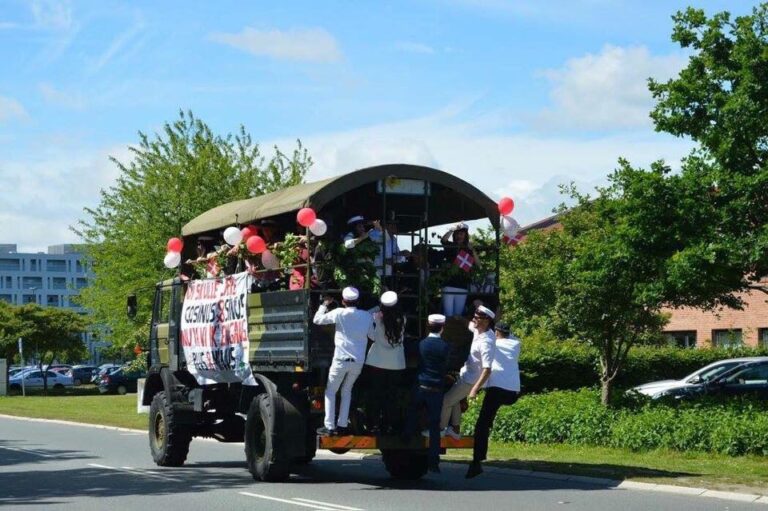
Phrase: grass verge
(743, 473)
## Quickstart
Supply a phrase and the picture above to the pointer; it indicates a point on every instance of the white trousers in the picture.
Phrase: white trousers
(340, 375)
(454, 299)
(451, 407)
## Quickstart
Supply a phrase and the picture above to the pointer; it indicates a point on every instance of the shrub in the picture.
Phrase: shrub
(733, 427)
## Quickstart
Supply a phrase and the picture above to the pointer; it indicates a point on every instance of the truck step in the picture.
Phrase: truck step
(389, 442)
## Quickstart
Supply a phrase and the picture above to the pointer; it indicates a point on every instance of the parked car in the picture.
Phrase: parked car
(81, 374)
(58, 367)
(33, 379)
(722, 377)
(101, 371)
(17, 370)
(120, 381)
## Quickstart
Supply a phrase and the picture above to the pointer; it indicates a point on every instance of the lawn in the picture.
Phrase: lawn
(744, 473)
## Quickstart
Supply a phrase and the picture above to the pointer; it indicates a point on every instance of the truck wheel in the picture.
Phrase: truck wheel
(264, 447)
(168, 440)
(405, 464)
(310, 446)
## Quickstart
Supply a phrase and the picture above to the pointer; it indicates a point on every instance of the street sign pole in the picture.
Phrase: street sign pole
(21, 357)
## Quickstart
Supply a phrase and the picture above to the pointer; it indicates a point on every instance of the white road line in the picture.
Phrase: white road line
(136, 471)
(286, 501)
(28, 451)
(328, 504)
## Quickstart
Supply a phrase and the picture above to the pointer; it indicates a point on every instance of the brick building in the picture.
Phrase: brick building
(689, 327)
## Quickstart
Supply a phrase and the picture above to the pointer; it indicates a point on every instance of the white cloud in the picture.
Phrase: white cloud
(411, 47)
(607, 90)
(119, 43)
(53, 14)
(57, 97)
(42, 197)
(310, 45)
(11, 109)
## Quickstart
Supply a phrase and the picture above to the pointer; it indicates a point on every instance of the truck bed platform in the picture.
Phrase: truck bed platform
(389, 442)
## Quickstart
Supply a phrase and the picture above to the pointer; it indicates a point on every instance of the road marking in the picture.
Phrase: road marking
(286, 501)
(28, 451)
(135, 471)
(328, 504)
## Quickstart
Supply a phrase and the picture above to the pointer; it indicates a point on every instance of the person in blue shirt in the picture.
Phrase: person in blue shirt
(433, 366)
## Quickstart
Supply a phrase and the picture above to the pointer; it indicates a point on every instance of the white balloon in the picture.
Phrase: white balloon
(269, 260)
(172, 259)
(509, 226)
(318, 227)
(233, 236)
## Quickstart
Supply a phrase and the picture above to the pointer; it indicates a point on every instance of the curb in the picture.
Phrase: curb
(616, 484)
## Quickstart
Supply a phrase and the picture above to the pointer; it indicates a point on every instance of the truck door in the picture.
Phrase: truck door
(160, 328)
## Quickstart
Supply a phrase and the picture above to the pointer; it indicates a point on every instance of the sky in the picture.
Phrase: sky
(514, 96)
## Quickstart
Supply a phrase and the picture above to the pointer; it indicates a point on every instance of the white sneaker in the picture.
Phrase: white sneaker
(449, 431)
(425, 433)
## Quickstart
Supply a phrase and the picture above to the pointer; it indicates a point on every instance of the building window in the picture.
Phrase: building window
(59, 283)
(762, 337)
(81, 283)
(29, 299)
(33, 265)
(32, 282)
(8, 282)
(52, 300)
(682, 339)
(79, 267)
(10, 264)
(727, 338)
(58, 265)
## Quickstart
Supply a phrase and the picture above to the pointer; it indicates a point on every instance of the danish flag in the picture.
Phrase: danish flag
(464, 260)
(512, 240)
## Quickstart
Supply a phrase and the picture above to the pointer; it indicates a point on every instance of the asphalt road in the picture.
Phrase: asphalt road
(56, 466)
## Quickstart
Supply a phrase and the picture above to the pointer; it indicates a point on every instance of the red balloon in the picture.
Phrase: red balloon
(306, 216)
(175, 245)
(256, 244)
(248, 231)
(506, 205)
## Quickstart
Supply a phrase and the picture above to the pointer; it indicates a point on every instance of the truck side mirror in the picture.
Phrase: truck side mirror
(132, 307)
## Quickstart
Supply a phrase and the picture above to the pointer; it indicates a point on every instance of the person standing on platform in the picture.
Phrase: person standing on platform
(433, 366)
(503, 388)
(351, 340)
(474, 373)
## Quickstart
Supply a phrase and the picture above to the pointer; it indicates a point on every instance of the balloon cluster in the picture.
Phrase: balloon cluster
(509, 225)
(306, 217)
(173, 257)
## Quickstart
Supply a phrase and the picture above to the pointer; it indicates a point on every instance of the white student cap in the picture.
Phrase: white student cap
(482, 309)
(350, 294)
(389, 299)
(354, 219)
(436, 319)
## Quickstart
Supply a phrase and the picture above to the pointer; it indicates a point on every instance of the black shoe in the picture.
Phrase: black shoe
(434, 468)
(474, 470)
(342, 431)
(325, 431)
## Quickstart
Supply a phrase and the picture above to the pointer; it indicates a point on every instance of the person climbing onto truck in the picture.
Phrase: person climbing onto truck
(433, 366)
(474, 373)
(350, 340)
(385, 363)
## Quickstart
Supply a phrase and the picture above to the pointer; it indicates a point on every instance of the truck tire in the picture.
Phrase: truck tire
(168, 440)
(405, 464)
(310, 446)
(265, 450)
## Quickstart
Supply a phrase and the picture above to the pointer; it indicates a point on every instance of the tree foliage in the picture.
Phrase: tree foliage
(720, 100)
(171, 178)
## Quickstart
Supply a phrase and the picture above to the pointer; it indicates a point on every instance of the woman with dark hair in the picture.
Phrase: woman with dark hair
(385, 362)
(459, 260)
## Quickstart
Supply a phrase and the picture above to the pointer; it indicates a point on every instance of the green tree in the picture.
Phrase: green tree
(720, 100)
(172, 177)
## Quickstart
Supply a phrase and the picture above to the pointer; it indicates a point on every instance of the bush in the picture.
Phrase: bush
(734, 427)
(568, 365)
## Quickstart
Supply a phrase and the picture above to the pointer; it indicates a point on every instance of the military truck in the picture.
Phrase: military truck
(288, 356)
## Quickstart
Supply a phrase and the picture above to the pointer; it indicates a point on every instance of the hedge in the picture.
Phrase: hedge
(734, 427)
(569, 366)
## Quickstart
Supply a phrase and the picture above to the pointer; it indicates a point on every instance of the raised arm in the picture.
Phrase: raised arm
(323, 316)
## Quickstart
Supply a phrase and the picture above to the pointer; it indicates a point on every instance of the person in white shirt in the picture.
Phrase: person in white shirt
(351, 340)
(502, 388)
(474, 374)
(385, 363)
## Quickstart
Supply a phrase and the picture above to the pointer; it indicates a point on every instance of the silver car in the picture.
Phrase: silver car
(34, 380)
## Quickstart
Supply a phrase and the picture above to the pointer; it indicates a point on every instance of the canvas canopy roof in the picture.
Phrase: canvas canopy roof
(319, 193)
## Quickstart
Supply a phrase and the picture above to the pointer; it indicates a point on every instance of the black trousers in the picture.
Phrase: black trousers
(386, 398)
(495, 398)
(433, 401)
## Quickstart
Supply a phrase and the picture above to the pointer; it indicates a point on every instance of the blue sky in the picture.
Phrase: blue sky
(515, 96)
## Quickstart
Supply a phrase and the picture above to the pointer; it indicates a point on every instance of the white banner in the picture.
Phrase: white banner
(214, 330)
